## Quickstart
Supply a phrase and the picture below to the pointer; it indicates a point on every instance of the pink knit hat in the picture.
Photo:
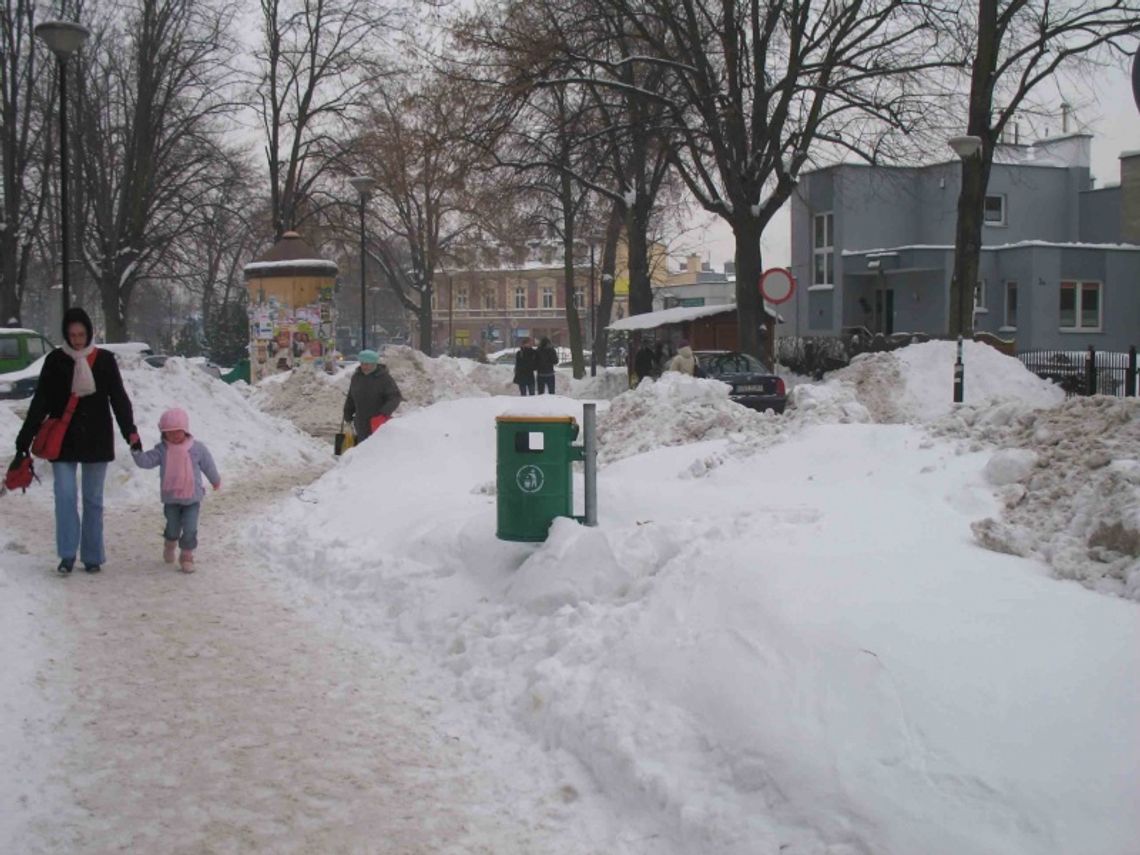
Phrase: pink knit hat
(174, 419)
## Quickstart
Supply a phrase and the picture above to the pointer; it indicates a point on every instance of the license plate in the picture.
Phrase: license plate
(747, 389)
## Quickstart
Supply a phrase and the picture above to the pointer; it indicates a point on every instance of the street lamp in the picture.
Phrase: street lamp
(64, 38)
(593, 331)
(966, 248)
(363, 185)
(966, 251)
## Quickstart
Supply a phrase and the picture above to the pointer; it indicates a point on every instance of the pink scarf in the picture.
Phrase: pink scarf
(178, 478)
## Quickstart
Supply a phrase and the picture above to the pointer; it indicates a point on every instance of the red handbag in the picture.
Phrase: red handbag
(48, 442)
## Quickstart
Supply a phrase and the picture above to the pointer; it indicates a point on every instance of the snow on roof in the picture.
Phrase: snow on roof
(1045, 244)
(677, 315)
(19, 330)
(290, 264)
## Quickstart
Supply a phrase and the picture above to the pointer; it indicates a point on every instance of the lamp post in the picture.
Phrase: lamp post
(64, 38)
(593, 331)
(967, 238)
(363, 185)
(450, 315)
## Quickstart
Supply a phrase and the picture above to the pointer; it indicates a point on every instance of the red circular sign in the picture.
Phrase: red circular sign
(777, 285)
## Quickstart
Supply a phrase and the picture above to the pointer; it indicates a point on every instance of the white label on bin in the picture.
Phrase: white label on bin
(529, 478)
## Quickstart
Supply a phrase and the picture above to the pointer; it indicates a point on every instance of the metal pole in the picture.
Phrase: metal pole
(593, 331)
(63, 230)
(589, 413)
(363, 293)
(959, 376)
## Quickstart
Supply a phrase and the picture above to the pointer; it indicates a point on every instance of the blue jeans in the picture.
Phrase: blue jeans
(546, 384)
(71, 534)
(182, 524)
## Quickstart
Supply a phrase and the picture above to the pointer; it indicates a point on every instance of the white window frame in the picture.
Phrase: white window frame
(520, 296)
(461, 298)
(824, 252)
(489, 297)
(1081, 286)
(1003, 220)
(579, 297)
(547, 297)
(1008, 322)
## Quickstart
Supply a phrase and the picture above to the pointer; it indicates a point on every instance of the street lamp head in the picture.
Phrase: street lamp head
(63, 37)
(363, 184)
(965, 146)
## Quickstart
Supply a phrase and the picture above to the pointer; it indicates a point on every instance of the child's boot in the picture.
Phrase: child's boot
(168, 550)
(186, 561)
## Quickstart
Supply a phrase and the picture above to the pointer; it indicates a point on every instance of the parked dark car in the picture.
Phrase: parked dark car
(753, 385)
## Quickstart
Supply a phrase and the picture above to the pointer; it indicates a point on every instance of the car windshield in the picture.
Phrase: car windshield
(732, 363)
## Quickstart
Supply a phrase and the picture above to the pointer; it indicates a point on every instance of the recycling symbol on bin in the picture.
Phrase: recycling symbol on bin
(530, 479)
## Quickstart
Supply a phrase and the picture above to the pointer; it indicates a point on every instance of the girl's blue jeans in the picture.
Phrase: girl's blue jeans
(75, 534)
(182, 524)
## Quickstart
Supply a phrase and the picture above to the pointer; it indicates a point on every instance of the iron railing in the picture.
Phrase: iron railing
(1085, 372)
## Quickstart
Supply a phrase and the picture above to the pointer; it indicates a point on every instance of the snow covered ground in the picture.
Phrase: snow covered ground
(879, 624)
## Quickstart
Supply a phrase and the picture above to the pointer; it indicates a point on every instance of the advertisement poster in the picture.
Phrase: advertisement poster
(283, 337)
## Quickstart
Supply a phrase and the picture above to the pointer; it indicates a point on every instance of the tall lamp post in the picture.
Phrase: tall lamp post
(967, 249)
(64, 38)
(363, 185)
(966, 241)
(593, 331)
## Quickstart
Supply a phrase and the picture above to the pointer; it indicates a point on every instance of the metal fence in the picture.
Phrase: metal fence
(1086, 372)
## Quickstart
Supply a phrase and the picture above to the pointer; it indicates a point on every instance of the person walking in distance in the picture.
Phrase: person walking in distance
(526, 363)
(181, 460)
(79, 388)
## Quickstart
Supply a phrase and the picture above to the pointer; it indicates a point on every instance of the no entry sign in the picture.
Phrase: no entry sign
(777, 285)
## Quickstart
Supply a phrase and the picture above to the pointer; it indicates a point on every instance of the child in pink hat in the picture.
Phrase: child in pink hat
(181, 460)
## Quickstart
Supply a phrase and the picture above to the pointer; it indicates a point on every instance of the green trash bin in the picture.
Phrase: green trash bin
(535, 482)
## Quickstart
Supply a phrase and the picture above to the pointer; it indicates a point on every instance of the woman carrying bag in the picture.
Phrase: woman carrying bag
(372, 396)
(79, 387)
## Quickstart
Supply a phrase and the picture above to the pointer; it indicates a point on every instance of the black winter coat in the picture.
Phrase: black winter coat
(89, 437)
(370, 395)
(526, 363)
(545, 359)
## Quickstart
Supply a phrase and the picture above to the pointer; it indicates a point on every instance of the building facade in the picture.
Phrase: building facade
(873, 248)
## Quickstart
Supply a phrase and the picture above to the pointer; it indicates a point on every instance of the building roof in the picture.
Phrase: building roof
(290, 256)
(1043, 244)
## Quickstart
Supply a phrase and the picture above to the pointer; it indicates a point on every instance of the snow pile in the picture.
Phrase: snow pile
(915, 383)
(311, 399)
(803, 651)
(240, 437)
(314, 400)
(1069, 479)
(676, 410)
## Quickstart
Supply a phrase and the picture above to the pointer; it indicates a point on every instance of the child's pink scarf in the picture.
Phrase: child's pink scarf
(178, 479)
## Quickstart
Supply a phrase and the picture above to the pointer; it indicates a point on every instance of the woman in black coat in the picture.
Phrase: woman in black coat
(79, 368)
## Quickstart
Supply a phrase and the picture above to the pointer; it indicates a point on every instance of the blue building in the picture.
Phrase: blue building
(873, 247)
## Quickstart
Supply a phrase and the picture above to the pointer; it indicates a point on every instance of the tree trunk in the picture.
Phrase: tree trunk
(425, 323)
(637, 261)
(114, 318)
(975, 176)
(749, 307)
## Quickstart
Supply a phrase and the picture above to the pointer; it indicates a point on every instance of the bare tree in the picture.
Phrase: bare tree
(417, 148)
(150, 157)
(580, 112)
(22, 120)
(319, 61)
(754, 88)
(1011, 48)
